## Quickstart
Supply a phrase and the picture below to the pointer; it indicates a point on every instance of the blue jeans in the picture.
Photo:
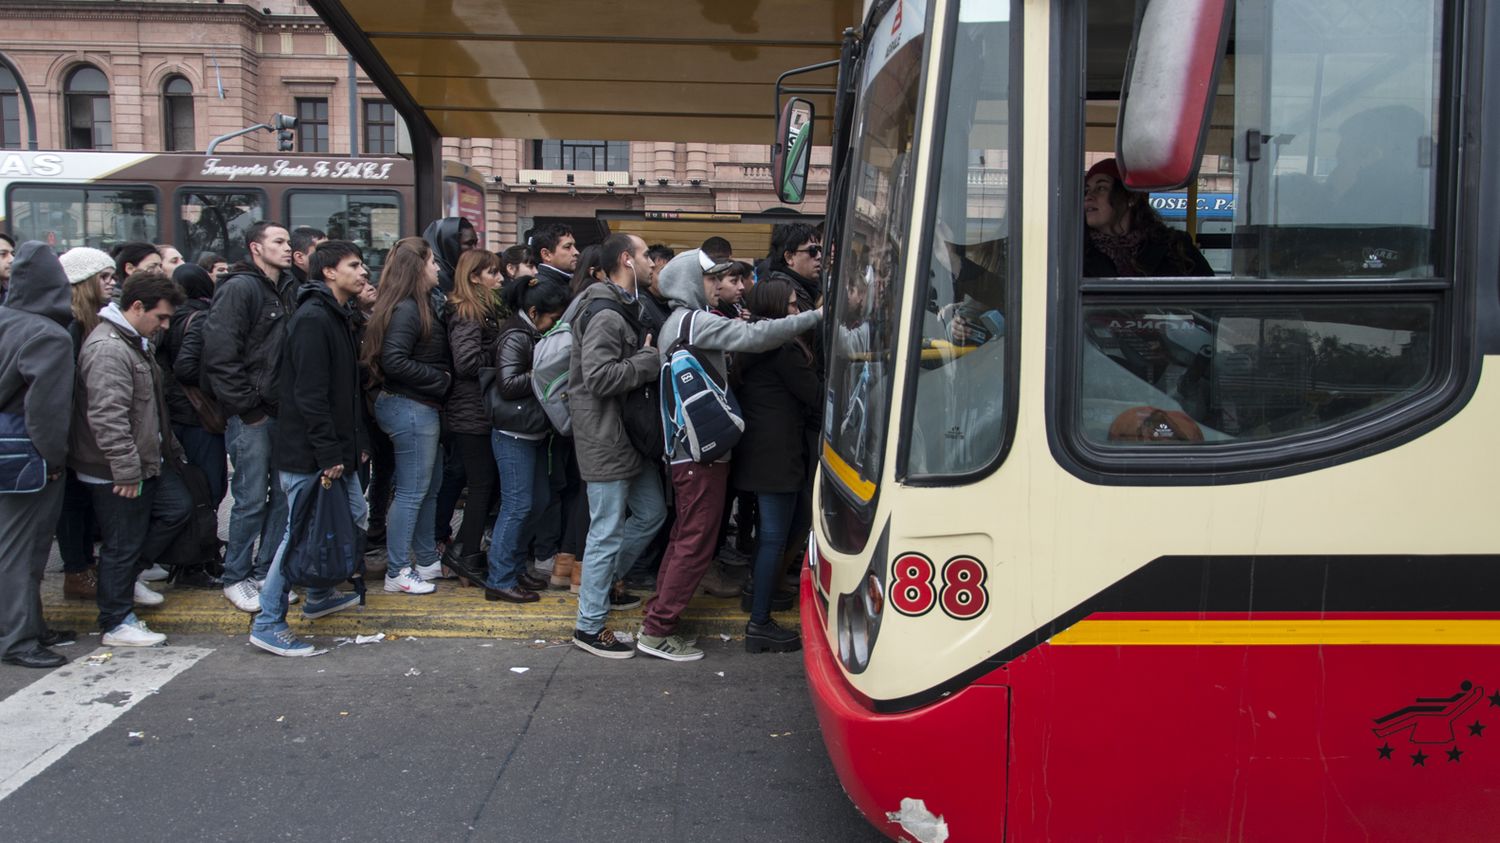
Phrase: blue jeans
(273, 592)
(775, 523)
(135, 532)
(205, 450)
(259, 510)
(414, 429)
(523, 476)
(616, 539)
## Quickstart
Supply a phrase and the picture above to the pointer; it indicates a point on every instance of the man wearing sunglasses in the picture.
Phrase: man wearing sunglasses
(797, 257)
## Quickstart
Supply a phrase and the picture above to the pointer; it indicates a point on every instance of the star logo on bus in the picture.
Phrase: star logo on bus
(1430, 722)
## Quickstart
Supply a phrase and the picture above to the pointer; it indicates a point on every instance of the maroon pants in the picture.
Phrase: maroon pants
(698, 492)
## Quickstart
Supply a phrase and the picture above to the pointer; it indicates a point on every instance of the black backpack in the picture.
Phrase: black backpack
(640, 407)
(198, 543)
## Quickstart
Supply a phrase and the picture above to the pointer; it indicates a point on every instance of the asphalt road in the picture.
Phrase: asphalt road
(429, 739)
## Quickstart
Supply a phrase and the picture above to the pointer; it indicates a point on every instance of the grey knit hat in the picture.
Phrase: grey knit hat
(82, 263)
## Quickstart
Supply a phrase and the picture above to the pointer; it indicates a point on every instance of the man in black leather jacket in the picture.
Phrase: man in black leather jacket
(247, 324)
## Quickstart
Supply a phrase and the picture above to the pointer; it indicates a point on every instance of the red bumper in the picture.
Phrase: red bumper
(950, 754)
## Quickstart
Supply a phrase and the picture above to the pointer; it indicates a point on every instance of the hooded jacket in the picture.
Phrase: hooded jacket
(607, 361)
(170, 349)
(241, 354)
(442, 236)
(121, 428)
(36, 355)
(712, 334)
(321, 421)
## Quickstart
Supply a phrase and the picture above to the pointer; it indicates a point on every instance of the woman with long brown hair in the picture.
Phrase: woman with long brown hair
(406, 352)
(91, 276)
(780, 396)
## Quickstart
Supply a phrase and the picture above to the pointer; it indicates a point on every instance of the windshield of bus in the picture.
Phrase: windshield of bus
(868, 265)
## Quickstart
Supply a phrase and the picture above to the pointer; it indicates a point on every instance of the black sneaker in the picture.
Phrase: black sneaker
(603, 644)
(768, 637)
(621, 600)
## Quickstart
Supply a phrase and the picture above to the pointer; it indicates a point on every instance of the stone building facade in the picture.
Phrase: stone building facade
(170, 75)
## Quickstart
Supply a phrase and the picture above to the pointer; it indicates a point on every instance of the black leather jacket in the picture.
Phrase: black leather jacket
(513, 366)
(472, 343)
(412, 365)
(243, 338)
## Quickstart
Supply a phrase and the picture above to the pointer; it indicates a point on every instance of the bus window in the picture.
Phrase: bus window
(216, 221)
(958, 407)
(64, 217)
(869, 263)
(371, 221)
(1320, 166)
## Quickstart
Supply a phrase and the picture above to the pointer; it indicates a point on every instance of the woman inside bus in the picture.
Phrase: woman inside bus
(91, 275)
(780, 396)
(520, 438)
(406, 350)
(1125, 238)
(473, 327)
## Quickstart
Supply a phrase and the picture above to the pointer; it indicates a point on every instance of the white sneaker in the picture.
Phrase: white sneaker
(244, 595)
(155, 573)
(132, 633)
(291, 593)
(431, 572)
(408, 582)
(146, 597)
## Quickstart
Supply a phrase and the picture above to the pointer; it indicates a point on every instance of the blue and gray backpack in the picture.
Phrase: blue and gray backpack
(698, 408)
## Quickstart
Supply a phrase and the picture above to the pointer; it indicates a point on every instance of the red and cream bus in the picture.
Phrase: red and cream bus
(1140, 558)
(205, 203)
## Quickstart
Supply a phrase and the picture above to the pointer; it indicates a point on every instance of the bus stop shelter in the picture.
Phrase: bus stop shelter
(678, 70)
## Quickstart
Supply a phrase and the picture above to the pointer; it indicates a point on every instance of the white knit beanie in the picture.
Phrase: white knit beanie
(82, 263)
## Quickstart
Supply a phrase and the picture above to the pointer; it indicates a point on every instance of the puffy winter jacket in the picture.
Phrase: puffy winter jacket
(121, 427)
(472, 343)
(513, 357)
(412, 365)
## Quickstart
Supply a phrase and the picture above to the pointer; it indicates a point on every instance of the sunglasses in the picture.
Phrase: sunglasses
(812, 251)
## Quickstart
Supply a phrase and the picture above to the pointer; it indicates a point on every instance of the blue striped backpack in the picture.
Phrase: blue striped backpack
(698, 408)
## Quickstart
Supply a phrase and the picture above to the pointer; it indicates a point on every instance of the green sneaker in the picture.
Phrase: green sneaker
(669, 647)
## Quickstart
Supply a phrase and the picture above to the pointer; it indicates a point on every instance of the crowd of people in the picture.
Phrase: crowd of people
(137, 389)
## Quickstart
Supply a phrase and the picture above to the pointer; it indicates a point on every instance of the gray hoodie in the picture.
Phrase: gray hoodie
(36, 355)
(682, 283)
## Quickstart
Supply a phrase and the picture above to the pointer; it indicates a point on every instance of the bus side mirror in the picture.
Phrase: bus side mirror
(1167, 98)
(791, 154)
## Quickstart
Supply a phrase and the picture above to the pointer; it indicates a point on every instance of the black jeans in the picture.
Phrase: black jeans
(378, 474)
(452, 488)
(76, 526)
(135, 531)
(479, 468)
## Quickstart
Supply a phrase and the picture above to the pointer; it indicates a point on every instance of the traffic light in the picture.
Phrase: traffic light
(283, 124)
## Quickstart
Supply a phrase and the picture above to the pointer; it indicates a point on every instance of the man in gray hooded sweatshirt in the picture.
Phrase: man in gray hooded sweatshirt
(698, 489)
(36, 385)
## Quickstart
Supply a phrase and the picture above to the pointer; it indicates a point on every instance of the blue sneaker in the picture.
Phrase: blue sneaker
(336, 602)
(282, 642)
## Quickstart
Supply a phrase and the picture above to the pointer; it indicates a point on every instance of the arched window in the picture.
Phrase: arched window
(10, 110)
(177, 114)
(86, 92)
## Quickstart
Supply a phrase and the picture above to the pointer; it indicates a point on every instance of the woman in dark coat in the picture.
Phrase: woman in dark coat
(779, 395)
(473, 328)
(1124, 237)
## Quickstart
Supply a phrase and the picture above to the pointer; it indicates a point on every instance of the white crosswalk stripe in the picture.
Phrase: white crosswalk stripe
(45, 720)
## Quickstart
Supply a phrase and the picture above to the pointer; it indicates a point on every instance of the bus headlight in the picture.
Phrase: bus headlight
(859, 621)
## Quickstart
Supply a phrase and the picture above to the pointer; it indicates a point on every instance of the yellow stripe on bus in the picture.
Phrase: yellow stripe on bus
(1241, 633)
(862, 488)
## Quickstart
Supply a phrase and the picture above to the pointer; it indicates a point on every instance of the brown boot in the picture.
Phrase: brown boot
(577, 579)
(563, 566)
(83, 585)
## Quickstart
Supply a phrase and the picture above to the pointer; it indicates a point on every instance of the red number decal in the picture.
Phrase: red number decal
(963, 595)
(912, 591)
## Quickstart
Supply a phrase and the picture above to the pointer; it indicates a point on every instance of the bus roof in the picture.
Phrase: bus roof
(681, 70)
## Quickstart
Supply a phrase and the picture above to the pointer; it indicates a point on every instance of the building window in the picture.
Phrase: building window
(86, 94)
(10, 110)
(380, 128)
(312, 125)
(177, 115)
(581, 155)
